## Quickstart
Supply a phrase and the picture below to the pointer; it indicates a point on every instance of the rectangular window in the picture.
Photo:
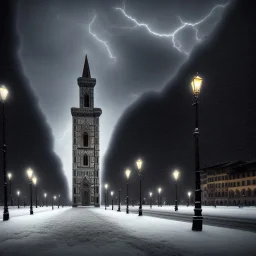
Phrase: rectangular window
(74, 159)
(243, 183)
(248, 174)
(74, 141)
(238, 183)
(254, 182)
(248, 182)
(74, 190)
(243, 175)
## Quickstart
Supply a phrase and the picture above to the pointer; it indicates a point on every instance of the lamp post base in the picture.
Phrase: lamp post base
(31, 212)
(118, 210)
(6, 216)
(176, 208)
(127, 210)
(140, 212)
(197, 223)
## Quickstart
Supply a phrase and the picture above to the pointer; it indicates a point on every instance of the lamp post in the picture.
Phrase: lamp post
(159, 192)
(30, 173)
(176, 176)
(18, 193)
(127, 173)
(45, 197)
(197, 218)
(150, 195)
(106, 188)
(10, 182)
(24, 201)
(53, 199)
(119, 196)
(139, 165)
(189, 194)
(3, 95)
(112, 193)
(59, 202)
(34, 179)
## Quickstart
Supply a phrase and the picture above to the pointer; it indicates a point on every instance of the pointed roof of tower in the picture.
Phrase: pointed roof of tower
(86, 71)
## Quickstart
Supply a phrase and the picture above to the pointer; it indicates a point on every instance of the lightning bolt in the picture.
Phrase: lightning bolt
(101, 41)
(172, 35)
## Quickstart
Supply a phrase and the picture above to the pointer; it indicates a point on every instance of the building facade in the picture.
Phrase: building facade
(230, 183)
(85, 137)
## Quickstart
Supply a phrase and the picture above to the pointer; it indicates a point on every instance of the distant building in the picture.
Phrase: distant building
(230, 183)
(85, 134)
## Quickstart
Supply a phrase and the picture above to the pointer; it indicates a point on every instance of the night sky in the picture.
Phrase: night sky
(143, 86)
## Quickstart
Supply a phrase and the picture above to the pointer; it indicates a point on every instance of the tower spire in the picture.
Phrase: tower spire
(86, 71)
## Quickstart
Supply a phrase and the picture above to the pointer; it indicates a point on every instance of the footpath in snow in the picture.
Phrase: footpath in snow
(95, 231)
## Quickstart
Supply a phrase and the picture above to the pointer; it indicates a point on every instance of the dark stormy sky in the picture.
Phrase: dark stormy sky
(126, 60)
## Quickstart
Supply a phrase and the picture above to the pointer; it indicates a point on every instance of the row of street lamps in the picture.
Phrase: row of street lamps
(3, 96)
(197, 218)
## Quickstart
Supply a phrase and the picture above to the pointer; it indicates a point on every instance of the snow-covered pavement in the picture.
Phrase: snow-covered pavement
(220, 211)
(14, 211)
(94, 231)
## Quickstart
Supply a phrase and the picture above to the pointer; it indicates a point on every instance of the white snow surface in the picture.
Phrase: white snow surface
(220, 211)
(96, 231)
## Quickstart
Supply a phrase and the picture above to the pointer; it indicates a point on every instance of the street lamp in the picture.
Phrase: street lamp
(119, 198)
(106, 188)
(150, 195)
(112, 193)
(30, 174)
(59, 202)
(139, 165)
(127, 173)
(34, 179)
(18, 193)
(197, 218)
(45, 197)
(189, 194)
(3, 95)
(53, 199)
(10, 182)
(176, 176)
(159, 191)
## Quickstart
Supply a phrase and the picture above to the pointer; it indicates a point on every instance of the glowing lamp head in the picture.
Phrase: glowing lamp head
(150, 194)
(196, 84)
(59, 195)
(34, 179)
(30, 173)
(159, 190)
(176, 174)
(54, 197)
(139, 164)
(127, 173)
(9, 175)
(112, 193)
(45, 195)
(3, 93)
(189, 194)
(18, 192)
(106, 186)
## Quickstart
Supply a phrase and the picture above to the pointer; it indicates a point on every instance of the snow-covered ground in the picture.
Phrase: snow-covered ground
(14, 211)
(221, 211)
(94, 231)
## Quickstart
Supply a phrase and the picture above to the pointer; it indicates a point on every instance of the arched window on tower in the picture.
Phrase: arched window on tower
(86, 100)
(86, 160)
(85, 139)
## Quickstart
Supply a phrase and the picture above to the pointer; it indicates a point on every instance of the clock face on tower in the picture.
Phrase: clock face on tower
(85, 180)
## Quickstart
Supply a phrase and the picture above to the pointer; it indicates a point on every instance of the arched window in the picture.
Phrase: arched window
(86, 160)
(85, 139)
(249, 192)
(86, 100)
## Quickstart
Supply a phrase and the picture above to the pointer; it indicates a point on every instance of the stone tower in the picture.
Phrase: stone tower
(85, 152)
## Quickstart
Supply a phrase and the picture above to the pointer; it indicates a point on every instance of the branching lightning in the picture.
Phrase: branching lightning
(176, 43)
(100, 40)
